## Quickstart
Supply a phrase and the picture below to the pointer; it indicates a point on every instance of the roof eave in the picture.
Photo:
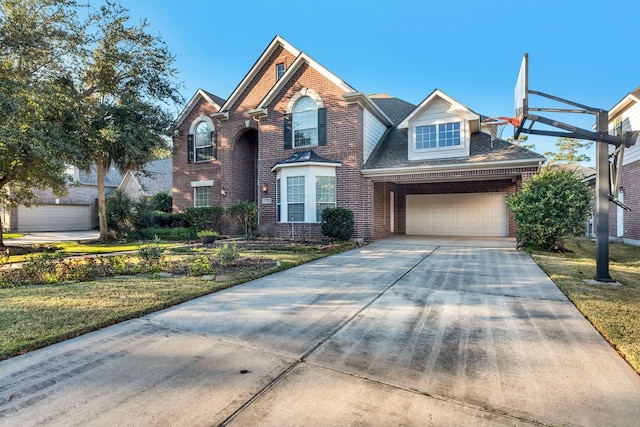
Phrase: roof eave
(365, 102)
(309, 163)
(455, 167)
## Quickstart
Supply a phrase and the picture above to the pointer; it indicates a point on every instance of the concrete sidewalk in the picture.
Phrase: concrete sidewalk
(399, 332)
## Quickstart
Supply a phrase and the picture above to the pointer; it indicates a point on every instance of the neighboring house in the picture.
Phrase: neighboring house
(77, 210)
(624, 225)
(295, 138)
(153, 178)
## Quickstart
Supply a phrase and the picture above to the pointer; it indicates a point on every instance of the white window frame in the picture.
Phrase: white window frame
(198, 186)
(440, 136)
(310, 173)
(326, 203)
(304, 121)
(192, 130)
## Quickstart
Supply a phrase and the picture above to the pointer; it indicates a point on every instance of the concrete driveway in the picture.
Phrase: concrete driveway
(52, 237)
(404, 331)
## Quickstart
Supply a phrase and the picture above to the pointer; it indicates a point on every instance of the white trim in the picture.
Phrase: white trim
(300, 164)
(201, 184)
(192, 102)
(469, 166)
(301, 94)
(302, 58)
(201, 118)
(277, 41)
(463, 111)
(309, 171)
(366, 102)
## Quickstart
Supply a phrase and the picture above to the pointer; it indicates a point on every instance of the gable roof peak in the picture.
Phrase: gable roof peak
(212, 99)
(438, 93)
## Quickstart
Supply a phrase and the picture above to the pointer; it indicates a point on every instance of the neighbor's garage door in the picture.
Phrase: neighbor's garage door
(54, 218)
(474, 214)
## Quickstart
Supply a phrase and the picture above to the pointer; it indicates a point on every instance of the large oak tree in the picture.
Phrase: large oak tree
(98, 90)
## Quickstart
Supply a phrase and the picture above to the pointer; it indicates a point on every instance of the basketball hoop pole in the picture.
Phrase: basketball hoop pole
(602, 200)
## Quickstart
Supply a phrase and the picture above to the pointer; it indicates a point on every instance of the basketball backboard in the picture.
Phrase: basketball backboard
(522, 91)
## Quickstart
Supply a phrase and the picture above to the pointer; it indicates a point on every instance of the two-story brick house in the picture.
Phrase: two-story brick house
(295, 138)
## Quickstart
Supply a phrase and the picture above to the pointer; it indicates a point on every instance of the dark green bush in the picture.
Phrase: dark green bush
(163, 219)
(162, 201)
(119, 207)
(142, 213)
(203, 218)
(550, 207)
(337, 224)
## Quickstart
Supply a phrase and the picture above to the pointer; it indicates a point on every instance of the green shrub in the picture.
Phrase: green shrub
(203, 218)
(337, 223)
(119, 207)
(162, 202)
(228, 254)
(245, 216)
(550, 207)
(163, 219)
(200, 266)
(142, 213)
(150, 252)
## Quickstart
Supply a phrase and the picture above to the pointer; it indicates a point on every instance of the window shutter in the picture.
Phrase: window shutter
(190, 148)
(287, 131)
(214, 145)
(322, 126)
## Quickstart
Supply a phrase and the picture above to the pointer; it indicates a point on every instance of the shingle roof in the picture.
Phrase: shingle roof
(216, 99)
(112, 177)
(305, 156)
(392, 152)
(156, 176)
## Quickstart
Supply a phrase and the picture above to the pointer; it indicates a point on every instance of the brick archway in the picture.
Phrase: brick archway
(244, 158)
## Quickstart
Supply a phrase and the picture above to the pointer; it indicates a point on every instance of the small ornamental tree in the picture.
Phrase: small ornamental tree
(245, 216)
(551, 206)
(337, 223)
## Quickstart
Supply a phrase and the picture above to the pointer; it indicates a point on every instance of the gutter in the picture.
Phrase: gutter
(449, 167)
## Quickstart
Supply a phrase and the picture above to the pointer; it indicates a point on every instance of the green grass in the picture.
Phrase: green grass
(613, 310)
(12, 235)
(35, 316)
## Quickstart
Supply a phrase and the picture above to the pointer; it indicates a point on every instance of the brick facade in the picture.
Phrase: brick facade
(248, 149)
(629, 178)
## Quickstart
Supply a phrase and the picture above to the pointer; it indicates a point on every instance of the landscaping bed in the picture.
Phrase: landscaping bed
(109, 288)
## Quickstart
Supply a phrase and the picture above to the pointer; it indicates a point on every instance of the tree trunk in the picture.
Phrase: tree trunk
(1, 229)
(102, 210)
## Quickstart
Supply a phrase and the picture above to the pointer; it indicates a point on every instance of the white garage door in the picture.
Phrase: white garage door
(472, 214)
(54, 218)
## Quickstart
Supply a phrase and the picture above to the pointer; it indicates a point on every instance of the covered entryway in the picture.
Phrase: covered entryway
(54, 218)
(466, 214)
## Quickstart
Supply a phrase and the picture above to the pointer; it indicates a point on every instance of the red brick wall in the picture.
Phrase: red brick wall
(382, 209)
(630, 179)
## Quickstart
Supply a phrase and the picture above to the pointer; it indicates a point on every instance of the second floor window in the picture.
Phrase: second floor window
(305, 123)
(438, 136)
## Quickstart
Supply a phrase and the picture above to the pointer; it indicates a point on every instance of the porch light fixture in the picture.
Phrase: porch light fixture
(223, 192)
(265, 188)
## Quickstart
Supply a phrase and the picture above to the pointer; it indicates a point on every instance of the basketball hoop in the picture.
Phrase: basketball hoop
(496, 125)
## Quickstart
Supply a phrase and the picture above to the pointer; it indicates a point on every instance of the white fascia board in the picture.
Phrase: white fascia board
(302, 58)
(467, 112)
(366, 102)
(277, 41)
(622, 105)
(291, 165)
(192, 102)
(258, 113)
(451, 167)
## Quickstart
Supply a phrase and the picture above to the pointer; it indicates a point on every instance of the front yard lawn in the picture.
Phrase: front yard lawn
(613, 310)
(34, 316)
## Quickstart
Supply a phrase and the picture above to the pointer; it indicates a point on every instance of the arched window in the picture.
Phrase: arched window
(201, 141)
(305, 123)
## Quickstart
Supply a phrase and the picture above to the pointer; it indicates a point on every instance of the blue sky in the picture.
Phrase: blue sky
(585, 51)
